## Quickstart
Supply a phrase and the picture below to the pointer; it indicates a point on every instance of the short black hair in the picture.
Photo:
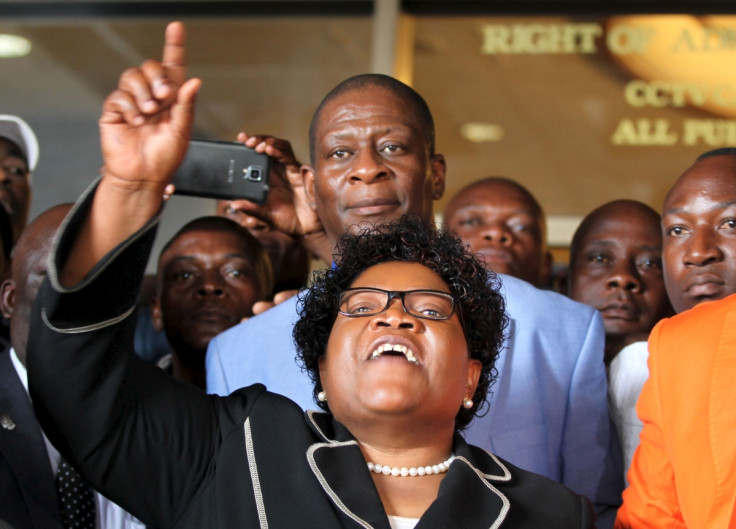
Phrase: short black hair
(403, 91)
(410, 239)
(723, 151)
(261, 260)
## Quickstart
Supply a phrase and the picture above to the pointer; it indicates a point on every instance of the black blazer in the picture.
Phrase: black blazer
(175, 457)
(28, 498)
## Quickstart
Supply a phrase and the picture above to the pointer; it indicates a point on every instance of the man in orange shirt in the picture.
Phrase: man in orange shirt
(684, 470)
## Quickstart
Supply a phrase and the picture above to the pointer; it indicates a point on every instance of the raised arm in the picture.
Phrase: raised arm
(144, 131)
(116, 418)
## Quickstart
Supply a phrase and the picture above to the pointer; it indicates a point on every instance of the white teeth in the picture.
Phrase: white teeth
(408, 353)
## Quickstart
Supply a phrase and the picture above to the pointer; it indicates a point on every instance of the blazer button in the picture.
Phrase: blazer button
(7, 423)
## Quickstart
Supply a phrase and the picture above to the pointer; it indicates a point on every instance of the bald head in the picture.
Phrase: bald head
(711, 174)
(27, 272)
(602, 217)
(502, 220)
(616, 268)
(358, 83)
(699, 230)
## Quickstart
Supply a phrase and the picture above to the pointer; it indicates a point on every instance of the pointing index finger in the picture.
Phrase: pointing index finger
(174, 57)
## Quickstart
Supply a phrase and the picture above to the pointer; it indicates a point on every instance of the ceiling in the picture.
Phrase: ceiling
(558, 112)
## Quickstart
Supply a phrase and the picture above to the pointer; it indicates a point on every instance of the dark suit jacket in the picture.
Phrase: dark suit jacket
(27, 492)
(175, 457)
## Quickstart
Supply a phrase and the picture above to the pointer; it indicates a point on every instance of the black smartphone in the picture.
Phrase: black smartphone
(224, 170)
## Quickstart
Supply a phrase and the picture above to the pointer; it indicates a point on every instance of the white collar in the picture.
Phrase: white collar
(19, 368)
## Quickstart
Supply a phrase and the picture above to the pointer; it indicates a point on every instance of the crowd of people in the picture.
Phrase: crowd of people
(427, 377)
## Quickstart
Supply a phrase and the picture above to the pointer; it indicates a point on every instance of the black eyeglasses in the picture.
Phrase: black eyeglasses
(426, 304)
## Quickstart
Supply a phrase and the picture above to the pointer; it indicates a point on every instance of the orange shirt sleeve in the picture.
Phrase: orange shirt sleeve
(651, 497)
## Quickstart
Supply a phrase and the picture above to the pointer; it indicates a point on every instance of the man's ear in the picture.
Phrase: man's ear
(439, 170)
(156, 316)
(7, 298)
(308, 176)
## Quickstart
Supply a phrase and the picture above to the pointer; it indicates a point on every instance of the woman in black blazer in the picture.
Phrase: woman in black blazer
(400, 338)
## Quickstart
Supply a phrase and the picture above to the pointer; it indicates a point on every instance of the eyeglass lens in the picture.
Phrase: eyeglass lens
(421, 303)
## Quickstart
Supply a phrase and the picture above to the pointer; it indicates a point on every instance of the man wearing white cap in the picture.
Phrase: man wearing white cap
(18, 158)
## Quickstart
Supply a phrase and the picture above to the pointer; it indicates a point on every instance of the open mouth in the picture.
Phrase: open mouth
(395, 350)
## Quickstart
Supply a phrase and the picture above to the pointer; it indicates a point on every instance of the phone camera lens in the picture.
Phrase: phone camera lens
(254, 174)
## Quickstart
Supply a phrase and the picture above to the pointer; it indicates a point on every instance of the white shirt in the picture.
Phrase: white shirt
(626, 376)
(109, 514)
(399, 522)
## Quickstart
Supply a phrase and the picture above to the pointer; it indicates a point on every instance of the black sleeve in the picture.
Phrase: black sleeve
(142, 438)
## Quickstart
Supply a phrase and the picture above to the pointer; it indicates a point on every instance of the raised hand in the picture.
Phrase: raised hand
(287, 208)
(145, 123)
(144, 132)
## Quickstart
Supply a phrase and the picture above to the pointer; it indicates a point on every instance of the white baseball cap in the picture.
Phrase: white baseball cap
(16, 130)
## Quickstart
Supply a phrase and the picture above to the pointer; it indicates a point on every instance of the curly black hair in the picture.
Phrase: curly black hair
(475, 290)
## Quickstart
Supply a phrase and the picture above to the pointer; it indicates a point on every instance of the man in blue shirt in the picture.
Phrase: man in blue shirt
(373, 158)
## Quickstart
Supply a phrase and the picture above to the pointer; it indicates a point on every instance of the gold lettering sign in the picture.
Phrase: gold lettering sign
(676, 61)
(709, 132)
(706, 133)
(623, 39)
(540, 38)
(622, 36)
(643, 131)
(660, 94)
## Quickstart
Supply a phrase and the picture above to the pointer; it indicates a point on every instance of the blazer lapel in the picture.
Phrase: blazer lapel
(468, 498)
(339, 466)
(23, 447)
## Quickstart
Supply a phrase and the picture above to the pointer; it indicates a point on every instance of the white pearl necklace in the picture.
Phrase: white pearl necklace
(411, 471)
